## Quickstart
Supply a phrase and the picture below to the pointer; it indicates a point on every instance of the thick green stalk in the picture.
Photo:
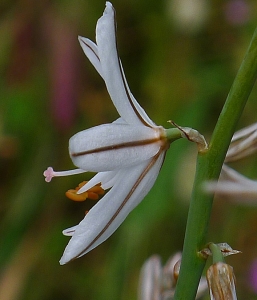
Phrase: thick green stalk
(208, 167)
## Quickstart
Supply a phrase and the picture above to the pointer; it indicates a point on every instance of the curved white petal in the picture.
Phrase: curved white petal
(151, 278)
(111, 179)
(69, 231)
(138, 107)
(112, 72)
(229, 174)
(91, 51)
(242, 133)
(107, 215)
(105, 178)
(235, 186)
(110, 146)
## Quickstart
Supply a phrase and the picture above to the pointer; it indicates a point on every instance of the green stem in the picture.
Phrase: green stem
(173, 134)
(208, 167)
(217, 256)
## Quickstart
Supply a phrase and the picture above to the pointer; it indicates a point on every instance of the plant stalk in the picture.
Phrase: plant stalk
(208, 167)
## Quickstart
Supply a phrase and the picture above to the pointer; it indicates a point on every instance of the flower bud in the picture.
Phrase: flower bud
(150, 279)
(221, 282)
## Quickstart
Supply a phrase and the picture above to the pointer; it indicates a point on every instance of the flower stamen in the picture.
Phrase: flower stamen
(93, 193)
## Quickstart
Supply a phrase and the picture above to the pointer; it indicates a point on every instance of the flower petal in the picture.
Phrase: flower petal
(107, 215)
(234, 186)
(151, 279)
(105, 178)
(110, 146)
(69, 231)
(112, 71)
(91, 51)
(244, 132)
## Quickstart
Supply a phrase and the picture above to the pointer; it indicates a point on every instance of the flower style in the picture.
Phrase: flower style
(127, 154)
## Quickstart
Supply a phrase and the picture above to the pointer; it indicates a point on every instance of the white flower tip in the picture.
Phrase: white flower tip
(108, 5)
(69, 231)
(49, 174)
(67, 257)
(63, 261)
(108, 8)
(82, 40)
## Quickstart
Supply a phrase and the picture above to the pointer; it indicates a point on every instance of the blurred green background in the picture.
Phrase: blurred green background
(180, 58)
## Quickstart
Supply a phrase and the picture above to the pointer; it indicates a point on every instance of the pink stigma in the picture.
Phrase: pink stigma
(49, 174)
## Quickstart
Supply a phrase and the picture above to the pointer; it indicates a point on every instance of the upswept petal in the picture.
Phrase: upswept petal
(139, 108)
(91, 51)
(112, 72)
(107, 215)
(106, 179)
(110, 146)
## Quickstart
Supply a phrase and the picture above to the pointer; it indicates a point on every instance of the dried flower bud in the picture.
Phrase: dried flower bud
(193, 136)
(221, 282)
(225, 249)
(176, 270)
(170, 271)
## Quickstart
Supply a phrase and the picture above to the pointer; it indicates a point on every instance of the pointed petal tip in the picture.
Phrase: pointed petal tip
(81, 39)
(108, 8)
(66, 257)
(108, 4)
(63, 261)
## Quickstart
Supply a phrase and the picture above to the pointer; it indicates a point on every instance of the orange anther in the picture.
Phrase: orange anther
(93, 193)
(93, 196)
(72, 194)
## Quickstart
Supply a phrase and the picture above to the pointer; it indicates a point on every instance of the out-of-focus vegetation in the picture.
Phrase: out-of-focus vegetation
(180, 58)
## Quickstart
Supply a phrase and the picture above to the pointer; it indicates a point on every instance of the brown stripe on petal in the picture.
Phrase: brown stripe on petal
(118, 146)
(130, 99)
(126, 199)
(123, 78)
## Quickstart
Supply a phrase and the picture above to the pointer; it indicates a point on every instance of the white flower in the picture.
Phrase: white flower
(243, 143)
(232, 184)
(159, 282)
(127, 153)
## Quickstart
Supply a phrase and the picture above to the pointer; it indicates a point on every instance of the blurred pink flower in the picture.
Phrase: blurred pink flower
(237, 12)
(63, 69)
(253, 276)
